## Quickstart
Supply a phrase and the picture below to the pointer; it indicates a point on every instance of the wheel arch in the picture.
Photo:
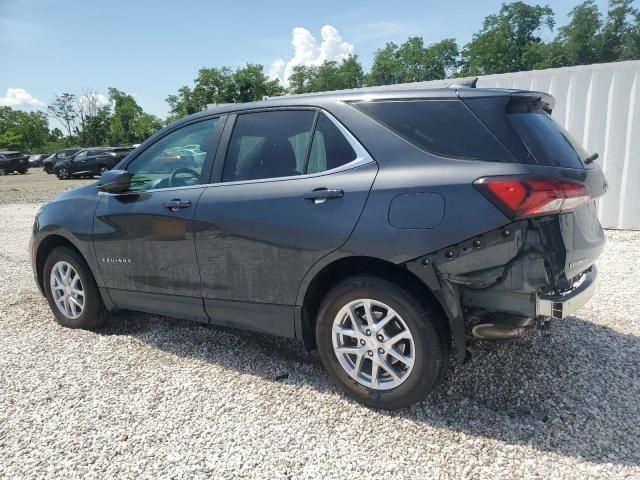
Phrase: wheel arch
(45, 247)
(315, 288)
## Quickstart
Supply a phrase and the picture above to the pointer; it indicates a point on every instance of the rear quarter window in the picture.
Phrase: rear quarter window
(443, 127)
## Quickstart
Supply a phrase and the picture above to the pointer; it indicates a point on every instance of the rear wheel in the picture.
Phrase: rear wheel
(63, 173)
(71, 290)
(102, 169)
(381, 343)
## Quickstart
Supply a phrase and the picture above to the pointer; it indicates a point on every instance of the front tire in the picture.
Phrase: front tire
(71, 290)
(381, 343)
(102, 170)
(63, 173)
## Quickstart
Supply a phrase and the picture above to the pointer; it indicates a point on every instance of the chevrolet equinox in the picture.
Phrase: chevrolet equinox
(377, 226)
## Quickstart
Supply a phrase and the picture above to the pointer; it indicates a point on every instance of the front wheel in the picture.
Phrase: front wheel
(63, 173)
(380, 343)
(102, 170)
(71, 290)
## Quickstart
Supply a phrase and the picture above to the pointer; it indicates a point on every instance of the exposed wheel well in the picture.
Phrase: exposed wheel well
(343, 268)
(45, 248)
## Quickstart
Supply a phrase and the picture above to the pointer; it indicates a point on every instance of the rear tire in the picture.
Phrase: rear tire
(85, 310)
(423, 347)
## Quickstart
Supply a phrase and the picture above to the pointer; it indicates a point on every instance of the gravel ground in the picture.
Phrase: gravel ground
(153, 397)
(35, 186)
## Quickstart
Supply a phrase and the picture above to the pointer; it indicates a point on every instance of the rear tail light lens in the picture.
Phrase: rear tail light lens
(522, 197)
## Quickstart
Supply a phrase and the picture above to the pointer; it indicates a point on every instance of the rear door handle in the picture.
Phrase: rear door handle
(321, 195)
(176, 204)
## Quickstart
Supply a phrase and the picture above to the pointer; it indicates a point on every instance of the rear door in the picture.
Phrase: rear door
(291, 190)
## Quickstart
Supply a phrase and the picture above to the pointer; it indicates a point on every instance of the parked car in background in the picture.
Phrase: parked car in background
(90, 162)
(380, 227)
(36, 160)
(49, 162)
(13, 162)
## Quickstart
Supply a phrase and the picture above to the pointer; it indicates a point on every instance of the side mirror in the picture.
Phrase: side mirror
(114, 181)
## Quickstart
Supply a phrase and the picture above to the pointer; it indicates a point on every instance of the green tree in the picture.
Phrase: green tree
(145, 126)
(299, 79)
(580, 38)
(56, 135)
(329, 75)
(182, 104)
(621, 32)
(63, 109)
(126, 112)
(384, 70)
(412, 61)
(97, 128)
(222, 85)
(27, 131)
(250, 83)
(506, 39)
(351, 73)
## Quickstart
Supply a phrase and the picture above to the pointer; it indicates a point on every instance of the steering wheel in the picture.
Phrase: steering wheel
(178, 171)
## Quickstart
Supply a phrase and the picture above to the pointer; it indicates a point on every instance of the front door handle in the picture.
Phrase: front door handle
(321, 195)
(176, 204)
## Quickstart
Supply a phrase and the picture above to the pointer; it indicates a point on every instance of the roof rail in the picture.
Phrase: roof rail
(465, 83)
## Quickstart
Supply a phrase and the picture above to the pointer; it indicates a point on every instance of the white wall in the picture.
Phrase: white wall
(600, 106)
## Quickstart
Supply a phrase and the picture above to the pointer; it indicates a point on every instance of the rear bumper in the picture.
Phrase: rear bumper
(561, 306)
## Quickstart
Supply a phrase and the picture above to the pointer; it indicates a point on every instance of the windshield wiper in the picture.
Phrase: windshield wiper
(591, 158)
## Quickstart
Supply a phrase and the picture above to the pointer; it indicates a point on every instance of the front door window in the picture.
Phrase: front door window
(175, 160)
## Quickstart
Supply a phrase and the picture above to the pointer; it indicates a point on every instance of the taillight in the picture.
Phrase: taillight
(522, 197)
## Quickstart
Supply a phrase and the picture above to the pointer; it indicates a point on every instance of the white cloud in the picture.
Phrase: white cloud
(19, 97)
(307, 51)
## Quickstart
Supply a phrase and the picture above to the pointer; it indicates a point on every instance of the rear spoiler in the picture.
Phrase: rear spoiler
(465, 83)
(521, 102)
(518, 100)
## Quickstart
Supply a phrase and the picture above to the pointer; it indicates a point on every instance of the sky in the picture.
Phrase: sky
(151, 48)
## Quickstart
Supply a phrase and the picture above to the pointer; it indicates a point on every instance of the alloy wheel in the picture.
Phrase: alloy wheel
(67, 289)
(63, 173)
(373, 344)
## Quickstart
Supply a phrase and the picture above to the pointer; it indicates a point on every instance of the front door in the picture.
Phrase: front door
(288, 196)
(144, 238)
(78, 162)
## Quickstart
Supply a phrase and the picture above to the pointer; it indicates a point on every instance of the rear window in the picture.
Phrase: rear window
(444, 127)
(547, 141)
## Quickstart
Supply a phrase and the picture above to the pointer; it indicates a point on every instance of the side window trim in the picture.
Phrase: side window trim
(310, 142)
(362, 155)
(223, 146)
(209, 158)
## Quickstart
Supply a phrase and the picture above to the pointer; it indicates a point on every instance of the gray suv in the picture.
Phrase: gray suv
(379, 227)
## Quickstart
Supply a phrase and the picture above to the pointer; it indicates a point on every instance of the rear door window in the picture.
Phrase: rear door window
(268, 145)
(443, 127)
